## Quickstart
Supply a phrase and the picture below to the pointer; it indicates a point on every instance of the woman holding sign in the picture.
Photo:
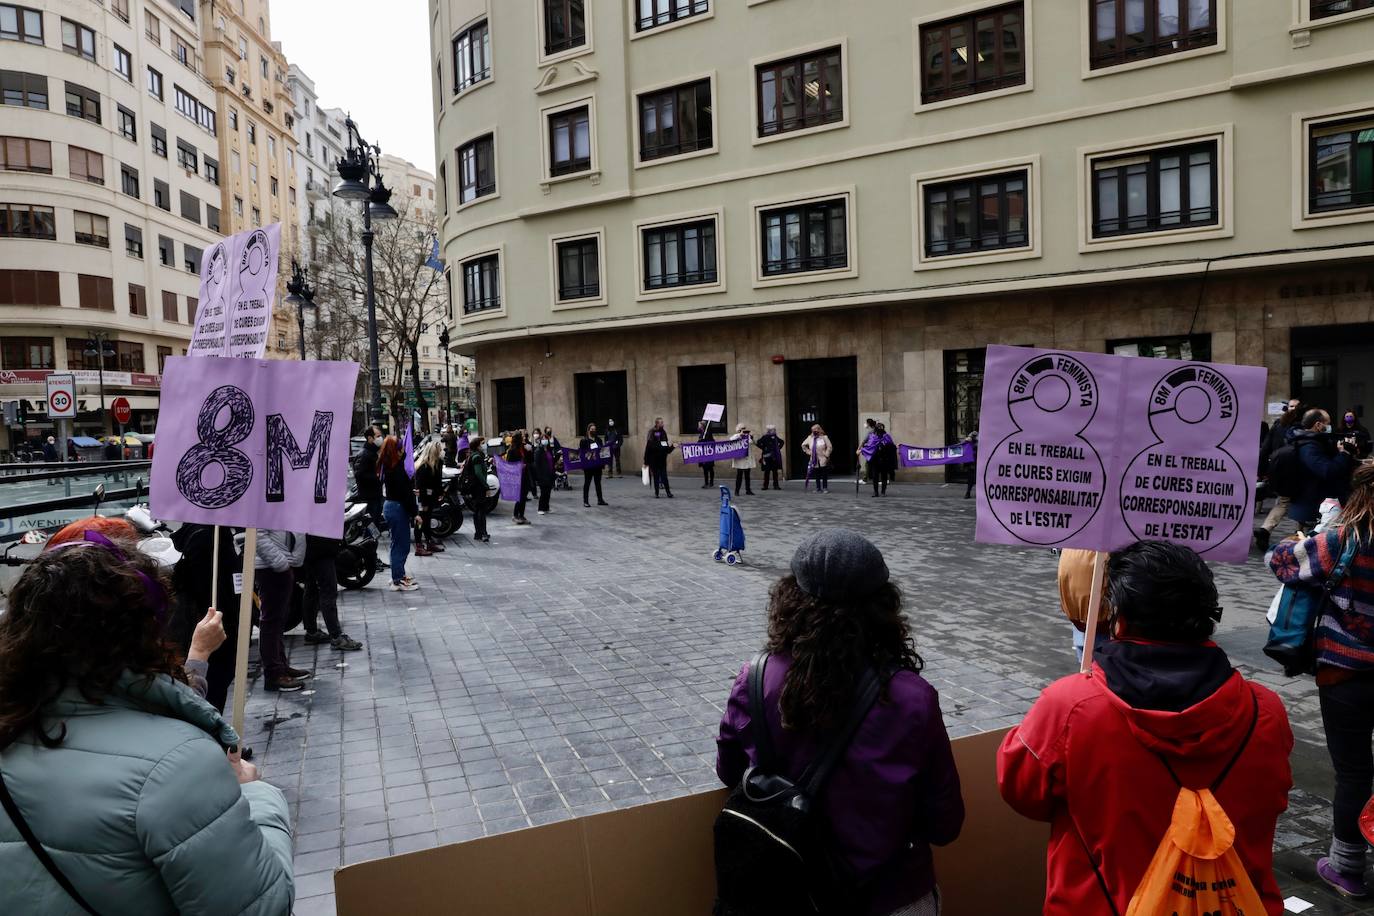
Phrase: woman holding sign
(398, 508)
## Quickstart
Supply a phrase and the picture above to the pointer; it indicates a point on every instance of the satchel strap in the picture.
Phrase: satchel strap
(1348, 550)
(12, 809)
(758, 716)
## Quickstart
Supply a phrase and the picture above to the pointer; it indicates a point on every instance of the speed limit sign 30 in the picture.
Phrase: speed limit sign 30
(62, 396)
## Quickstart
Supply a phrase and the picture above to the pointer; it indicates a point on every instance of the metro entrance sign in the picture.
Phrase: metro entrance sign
(120, 408)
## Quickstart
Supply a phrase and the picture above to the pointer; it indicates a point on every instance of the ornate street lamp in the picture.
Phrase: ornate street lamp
(448, 398)
(302, 297)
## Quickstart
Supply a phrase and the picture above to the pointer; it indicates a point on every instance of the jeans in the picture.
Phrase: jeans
(399, 523)
(321, 595)
(742, 477)
(1348, 717)
(588, 479)
(274, 589)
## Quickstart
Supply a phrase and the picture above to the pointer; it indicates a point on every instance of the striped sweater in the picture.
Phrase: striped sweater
(1345, 632)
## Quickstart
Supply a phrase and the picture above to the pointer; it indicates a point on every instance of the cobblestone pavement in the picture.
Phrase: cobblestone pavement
(580, 664)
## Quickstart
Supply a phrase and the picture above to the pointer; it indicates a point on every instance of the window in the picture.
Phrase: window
(192, 108)
(154, 83)
(128, 126)
(162, 194)
(121, 8)
(579, 272)
(188, 7)
(1341, 165)
(271, 146)
(83, 102)
(252, 133)
(654, 13)
(233, 116)
(86, 165)
(683, 254)
(565, 25)
(152, 27)
(675, 121)
(166, 251)
(804, 237)
(78, 39)
(1321, 9)
(698, 386)
(182, 51)
(20, 154)
(187, 156)
(253, 172)
(130, 355)
(92, 229)
(273, 185)
(169, 305)
(18, 23)
(1169, 188)
(128, 180)
(238, 206)
(800, 93)
(190, 207)
(257, 217)
(133, 247)
(235, 162)
(27, 221)
(26, 352)
(262, 65)
(471, 56)
(476, 169)
(980, 52)
(212, 218)
(138, 302)
(123, 63)
(482, 284)
(191, 257)
(510, 402)
(1184, 347)
(162, 354)
(24, 90)
(95, 292)
(29, 287)
(1128, 30)
(243, 48)
(159, 139)
(211, 171)
(291, 195)
(570, 144)
(443, 185)
(192, 308)
(976, 214)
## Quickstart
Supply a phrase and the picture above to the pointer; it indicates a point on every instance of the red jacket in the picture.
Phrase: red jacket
(1084, 756)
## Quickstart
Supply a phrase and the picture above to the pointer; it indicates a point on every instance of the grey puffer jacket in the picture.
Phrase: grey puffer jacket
(279, 550)
(139, 809)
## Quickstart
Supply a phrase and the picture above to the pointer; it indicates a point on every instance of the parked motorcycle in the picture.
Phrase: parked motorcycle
(356, 564)
(447, 516)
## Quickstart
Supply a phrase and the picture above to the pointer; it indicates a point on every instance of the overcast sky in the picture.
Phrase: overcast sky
(371, 59)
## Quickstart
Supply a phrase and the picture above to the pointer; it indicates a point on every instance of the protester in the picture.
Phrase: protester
(895, 792)
(743, 466)
(708, 468)
(366, 476)
(548, 434)
(50, 450)
(279, 555)
(971, 440)
(192, 577)
(519, 454)
(398, 509)
(1279, 433)
(871, 425)
(817, 449)
(1344, 644)
(879, 451)
(321, 578)
(450, 439)
(1097, 756)
(1325, 468)
(1352, 432)
(615, 441)
(112, 451)
(429, 492)
(543, 470)
(473, 483)
(656, 449)
(770, 458)
(1075, 596)
(590, 447)
(121, 774)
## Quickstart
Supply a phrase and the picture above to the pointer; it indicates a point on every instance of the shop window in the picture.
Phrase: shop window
(698, 386)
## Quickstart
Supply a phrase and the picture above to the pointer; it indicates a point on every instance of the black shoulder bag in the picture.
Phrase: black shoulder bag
(12, 809)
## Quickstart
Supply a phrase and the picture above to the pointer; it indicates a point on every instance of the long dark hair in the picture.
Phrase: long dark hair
(1357, 512)
(831, 645)
(1344, 427)
(78, 616)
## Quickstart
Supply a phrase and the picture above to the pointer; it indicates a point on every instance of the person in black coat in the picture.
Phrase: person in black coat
(321, 577)
(770, 444)
(365, 476)
(590, 446)
(520, 453)
(429, 490)
(543, 470)
(656, 448)
(1352, 432)
(1326, 467)
(708, 468)
(191, 580)
(50, 450)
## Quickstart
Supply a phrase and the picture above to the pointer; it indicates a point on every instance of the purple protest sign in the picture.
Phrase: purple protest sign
(253, 443)
(698, 452)
(916, 456)
(586, 459)
(238, 285)
(511, 475)
(1095, 451)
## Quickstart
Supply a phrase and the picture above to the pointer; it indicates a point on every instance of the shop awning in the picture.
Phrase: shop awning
(85, 442)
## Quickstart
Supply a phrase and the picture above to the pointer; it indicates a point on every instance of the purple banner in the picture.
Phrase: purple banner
(725, 449)
(1094, 451)
(586, 459)
(253, 443)
(510, 474)
(915, 456)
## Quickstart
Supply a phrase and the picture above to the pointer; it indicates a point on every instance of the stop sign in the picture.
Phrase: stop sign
(120, 408)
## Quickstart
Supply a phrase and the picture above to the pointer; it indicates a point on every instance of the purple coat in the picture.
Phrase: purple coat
(893, 795)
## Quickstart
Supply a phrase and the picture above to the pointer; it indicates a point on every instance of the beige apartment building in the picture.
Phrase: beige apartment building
(109, 192)
(828, 210)
(257, 142)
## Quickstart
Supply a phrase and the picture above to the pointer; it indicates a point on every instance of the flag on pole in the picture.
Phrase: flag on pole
(434, 263)
(408, 449)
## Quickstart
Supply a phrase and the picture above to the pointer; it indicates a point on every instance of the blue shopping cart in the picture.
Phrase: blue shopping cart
(731, 532)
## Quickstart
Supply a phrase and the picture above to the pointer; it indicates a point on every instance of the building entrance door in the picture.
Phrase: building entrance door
(601, 396)
(1333, 367)
(824, 391)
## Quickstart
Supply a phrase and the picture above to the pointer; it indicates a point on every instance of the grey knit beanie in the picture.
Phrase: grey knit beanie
(836, 564)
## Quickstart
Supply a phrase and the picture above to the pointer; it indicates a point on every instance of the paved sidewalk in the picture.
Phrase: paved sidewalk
(580, 664)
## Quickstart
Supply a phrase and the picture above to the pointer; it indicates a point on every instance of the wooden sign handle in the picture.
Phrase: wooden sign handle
(1094, 608)
(250, 550)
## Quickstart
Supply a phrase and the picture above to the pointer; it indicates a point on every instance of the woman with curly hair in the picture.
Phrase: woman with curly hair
(895, 791)
(120, 786)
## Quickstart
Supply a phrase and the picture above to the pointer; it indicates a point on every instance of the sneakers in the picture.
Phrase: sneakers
(1346, 885)
(284, 685)
(299, 674)
(543, 512)
(404, 586)
(316, 637)
(343, 643)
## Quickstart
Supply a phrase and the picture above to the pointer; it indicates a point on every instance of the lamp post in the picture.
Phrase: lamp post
(448, 398)
(356, 168)
(302, 297)
(99, 346)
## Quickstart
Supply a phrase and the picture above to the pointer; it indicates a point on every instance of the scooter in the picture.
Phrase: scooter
(447, 516)
(356, 563)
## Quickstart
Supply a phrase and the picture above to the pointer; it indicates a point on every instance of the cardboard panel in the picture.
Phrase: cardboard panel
(657, 859)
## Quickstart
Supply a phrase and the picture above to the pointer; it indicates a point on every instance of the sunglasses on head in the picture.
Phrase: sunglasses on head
(153, 590)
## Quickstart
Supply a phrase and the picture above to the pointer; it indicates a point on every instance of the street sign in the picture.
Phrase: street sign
(61, 396)
(120, 408)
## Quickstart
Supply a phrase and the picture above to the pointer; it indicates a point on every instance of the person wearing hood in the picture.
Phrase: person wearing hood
(1102, 757)
(770, 459)
(615, 440)
(743, 466)
(1325, 468)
